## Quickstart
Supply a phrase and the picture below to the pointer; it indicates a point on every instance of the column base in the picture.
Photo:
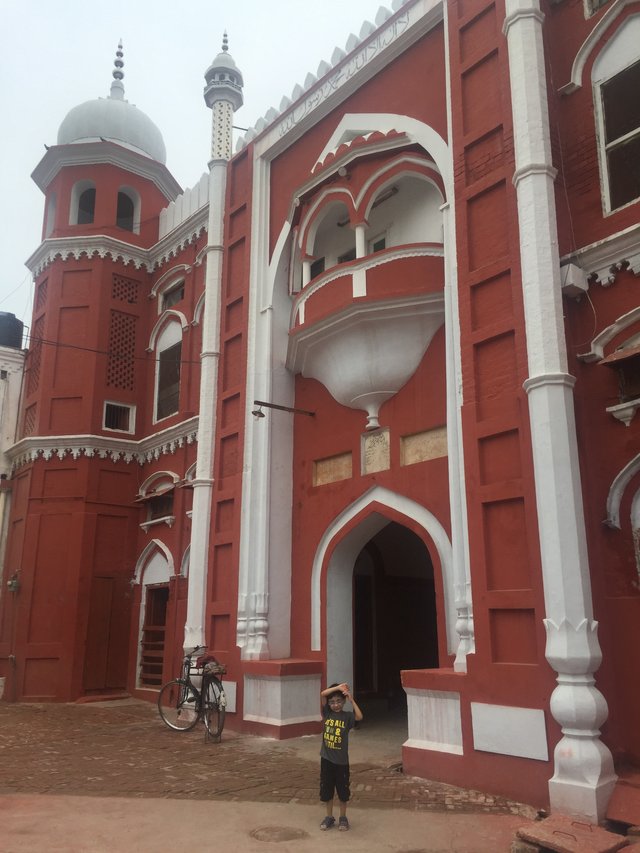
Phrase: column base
(581, 800)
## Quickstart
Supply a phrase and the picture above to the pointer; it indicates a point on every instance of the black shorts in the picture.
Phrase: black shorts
(334, 777)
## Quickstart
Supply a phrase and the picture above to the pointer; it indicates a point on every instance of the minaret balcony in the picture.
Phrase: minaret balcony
(402, 270)
(362, 327)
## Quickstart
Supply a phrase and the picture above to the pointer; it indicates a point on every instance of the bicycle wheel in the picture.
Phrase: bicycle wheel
(179, 705)
(215, 706)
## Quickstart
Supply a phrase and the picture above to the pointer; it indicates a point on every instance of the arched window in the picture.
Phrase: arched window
(124, 215)
(86, 207)
(83, 203)
(168, 355)
(50, 220)
(128, 209)
(616, 79)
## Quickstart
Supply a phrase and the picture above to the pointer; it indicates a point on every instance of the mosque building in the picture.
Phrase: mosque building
(359, 406)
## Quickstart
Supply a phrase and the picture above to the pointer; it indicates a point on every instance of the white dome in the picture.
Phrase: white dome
(114, 120)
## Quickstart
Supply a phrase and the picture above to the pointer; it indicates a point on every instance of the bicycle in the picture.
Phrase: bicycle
(182, 703)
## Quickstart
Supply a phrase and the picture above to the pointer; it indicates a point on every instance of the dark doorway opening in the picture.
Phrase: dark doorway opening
(153, 635)
(395, 623)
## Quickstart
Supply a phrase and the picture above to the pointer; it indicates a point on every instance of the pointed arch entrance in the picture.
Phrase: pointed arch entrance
(154, 570)
(413, 555)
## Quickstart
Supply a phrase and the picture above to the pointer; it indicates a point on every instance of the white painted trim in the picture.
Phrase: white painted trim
(164, 321)
(111, 153)
(145, 555)
(586, 48)
(509, 730)
(117, 449)
(434, 721)
(195, 629)
(617, 490)
(158, 476)
(363, 61)
(572, 644)
(282, 700)
(404, 506)
(179, 271)
(264, 589)
(378, 259)
(596, 352)
(417, 132)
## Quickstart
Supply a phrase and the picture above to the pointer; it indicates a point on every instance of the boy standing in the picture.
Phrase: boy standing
(334, 754)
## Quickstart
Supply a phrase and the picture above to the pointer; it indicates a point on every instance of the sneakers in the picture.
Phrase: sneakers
(327, 823)
(343, 824)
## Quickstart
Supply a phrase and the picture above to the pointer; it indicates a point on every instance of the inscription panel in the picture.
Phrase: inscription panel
(422, 446)
(332, 469)
(376, 451)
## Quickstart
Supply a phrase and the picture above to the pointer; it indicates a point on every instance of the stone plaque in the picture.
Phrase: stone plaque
(430, 444)
(332, 469)
(375, 451)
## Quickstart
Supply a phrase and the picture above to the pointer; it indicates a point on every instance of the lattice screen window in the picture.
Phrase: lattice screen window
(41, 295)
(35, 356)
(29, 421)
(122, 347)
(125, 289)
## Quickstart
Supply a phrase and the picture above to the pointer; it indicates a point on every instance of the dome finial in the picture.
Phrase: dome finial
(225, 42)
(117, 87)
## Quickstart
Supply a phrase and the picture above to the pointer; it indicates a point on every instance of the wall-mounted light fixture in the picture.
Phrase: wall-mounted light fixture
(258, 413)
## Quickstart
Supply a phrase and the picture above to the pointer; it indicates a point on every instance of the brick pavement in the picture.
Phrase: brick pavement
(123, 749)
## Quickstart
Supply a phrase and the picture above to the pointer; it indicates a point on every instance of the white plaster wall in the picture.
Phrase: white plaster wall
(411, 216)
(509, 731)
(434, 720)
(11, 361)
(282, 701)
(331, 240)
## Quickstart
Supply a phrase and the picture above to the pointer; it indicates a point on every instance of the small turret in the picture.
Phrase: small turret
(223, 94)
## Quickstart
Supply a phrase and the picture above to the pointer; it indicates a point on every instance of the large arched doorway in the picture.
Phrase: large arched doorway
(394, 613)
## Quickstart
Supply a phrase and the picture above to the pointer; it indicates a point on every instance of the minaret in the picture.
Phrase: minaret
(223, 94)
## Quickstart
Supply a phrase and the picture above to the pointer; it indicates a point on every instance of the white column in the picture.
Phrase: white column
(195, 629)
(361, 243)
(455, 458)
(584, 776)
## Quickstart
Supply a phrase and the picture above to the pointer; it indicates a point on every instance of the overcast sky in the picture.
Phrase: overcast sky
(56, 54)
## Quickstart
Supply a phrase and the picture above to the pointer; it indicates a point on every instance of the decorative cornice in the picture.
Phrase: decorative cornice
(603, 260)
(87, 245)
(376, 46)
(111, 153)
(117, 250)
(180, 237)
(147, 449)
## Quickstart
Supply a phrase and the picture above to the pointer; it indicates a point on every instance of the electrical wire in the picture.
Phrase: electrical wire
(110, 353)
